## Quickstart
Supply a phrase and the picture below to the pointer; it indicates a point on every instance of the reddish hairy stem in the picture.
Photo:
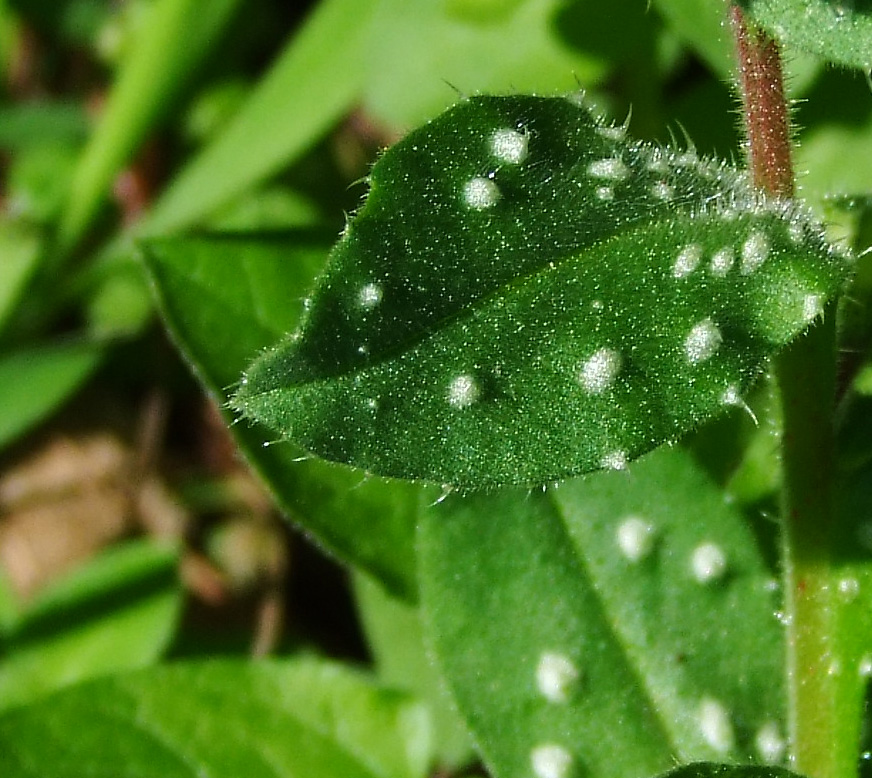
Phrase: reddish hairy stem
(766, 111)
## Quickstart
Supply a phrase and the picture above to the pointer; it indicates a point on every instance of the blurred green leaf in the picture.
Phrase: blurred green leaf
(702, 25)
(421, 52)
(840, 30)
(268, 209)
(37, 380)
(118, 612)
(121, 306)
(20, 252)
(38, 181)
(41, 123)
(224, 300)
(76, 21)
(394, 635)
(528, 295)
(301, 717)
(177, 36)
(314, 81)
(540, 605)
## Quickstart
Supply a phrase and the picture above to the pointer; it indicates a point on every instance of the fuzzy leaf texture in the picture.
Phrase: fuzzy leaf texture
(838, 30)
(527, 294)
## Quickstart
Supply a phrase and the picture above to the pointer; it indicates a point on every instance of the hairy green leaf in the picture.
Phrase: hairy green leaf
(615, 623)
(712, 770)
(303, 717)
(226, 299)
(527, 294)
(840, 30)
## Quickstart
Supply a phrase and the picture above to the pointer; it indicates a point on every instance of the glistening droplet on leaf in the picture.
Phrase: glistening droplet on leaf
(527, 295)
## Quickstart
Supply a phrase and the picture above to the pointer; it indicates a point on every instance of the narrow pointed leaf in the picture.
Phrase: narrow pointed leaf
(617, 623)
(527, 294)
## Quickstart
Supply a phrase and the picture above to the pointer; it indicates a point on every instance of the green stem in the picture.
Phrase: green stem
(805, 374)
(806, 379)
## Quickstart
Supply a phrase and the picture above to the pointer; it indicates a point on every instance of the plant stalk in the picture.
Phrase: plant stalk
(805, 373)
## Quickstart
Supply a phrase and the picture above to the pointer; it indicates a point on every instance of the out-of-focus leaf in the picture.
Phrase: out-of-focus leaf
(834, 155)
(20, 250)
(37, 380)
(38, 182)
(224, 300)
(176, 38)
(528, 295)
(301, 717)
(76, 21)
(394, 635)
(418, 49)
(41, 123)
(271, 208)
(117, 613)
(122, 304)
(702, 24)
(314, 82)
(612, 624)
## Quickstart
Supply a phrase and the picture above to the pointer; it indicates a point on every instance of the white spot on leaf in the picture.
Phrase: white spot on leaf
(812, 306)
(635, 538)
(709, 563)
(702, 342)
(715, 725)
(369, 296)
(615, 460)
(605, 193)
(722, 262)
(662, 191)
(731, 396)
(755, 251)
(463, 391)
(600, 371)
(556, 677)
(849, 588)
(610, 168)
(509, 146)
(769, 743)
(551, 761)
(687, 260)
(480, 193)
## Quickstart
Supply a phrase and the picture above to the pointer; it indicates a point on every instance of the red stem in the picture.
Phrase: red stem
(766, 111)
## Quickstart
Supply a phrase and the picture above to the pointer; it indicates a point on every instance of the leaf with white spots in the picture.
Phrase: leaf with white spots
(608, 626)
(528, 294)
